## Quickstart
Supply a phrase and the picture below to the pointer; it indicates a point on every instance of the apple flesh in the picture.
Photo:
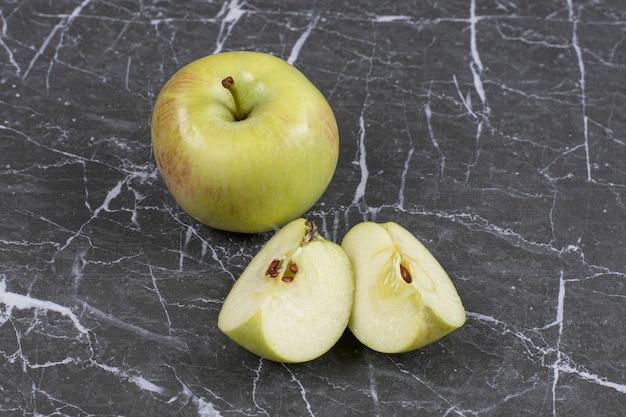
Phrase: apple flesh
(249, 175)
(403, 297)
(293, 301)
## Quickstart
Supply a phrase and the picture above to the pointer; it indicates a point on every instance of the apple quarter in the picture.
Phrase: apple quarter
(403, 297)
(293, 301)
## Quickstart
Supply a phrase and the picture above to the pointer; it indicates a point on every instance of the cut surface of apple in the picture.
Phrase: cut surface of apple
(403, 297)
(292, 303)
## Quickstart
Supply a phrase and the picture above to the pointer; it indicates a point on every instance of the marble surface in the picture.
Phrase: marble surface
(493, 130)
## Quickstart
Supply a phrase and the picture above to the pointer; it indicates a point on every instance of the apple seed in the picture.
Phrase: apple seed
(404, 273)
(272, 270)
(293, 267)
(287, 279)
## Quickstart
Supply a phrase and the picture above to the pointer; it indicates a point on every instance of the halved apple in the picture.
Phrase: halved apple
(403, 297)
(292, 303)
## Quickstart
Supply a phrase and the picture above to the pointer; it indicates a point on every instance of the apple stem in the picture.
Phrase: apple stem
(229, 84)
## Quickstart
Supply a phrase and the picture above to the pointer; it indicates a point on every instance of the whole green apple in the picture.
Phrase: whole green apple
(244, 141)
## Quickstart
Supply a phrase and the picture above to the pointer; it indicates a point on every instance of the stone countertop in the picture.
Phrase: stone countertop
(494, 131)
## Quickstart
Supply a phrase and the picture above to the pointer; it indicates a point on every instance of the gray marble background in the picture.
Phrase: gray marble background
(493, 130)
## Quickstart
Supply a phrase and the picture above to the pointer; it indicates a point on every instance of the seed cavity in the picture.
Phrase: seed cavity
(290, 272)
(274, 270)
(405, 274)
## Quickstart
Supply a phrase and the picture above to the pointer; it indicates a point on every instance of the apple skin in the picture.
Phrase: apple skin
(391, 315)
(252, 175)
(295, 321)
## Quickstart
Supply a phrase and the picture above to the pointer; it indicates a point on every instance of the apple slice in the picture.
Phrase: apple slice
(293, 301)
(403, 298)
